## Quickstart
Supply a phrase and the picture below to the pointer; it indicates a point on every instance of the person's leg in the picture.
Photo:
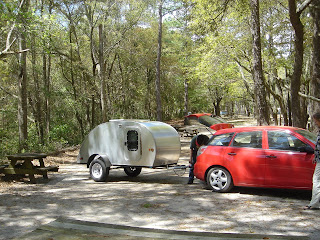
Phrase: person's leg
(191, 174)
(315, 200)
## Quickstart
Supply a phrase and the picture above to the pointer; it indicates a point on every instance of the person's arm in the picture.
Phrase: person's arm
(190, 160)
(316, 155)
(317, 150)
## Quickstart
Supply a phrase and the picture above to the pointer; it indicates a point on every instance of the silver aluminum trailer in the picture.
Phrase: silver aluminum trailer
(131, 144)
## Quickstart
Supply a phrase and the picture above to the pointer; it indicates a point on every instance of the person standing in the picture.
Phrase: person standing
(195, 144)
(315, 200)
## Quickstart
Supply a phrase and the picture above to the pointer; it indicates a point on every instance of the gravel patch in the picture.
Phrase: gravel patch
(157, 198)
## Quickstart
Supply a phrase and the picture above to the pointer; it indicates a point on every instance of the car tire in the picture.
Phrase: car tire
(132, 171)
(98, 170)
(219, 180)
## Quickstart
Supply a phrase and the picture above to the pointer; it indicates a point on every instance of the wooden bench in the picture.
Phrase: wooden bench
(3, 166)
(190, 132)
(48, 169)
(21, 164)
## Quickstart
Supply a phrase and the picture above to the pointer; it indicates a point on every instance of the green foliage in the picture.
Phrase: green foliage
(215, 64)
(64, 42)
(224, 46)
(8, 141)
(206, 44)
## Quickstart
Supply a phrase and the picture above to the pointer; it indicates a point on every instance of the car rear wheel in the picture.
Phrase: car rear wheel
(219, 180)
(132, 171)
(98, 170)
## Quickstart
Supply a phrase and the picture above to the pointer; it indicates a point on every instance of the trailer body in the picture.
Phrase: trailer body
(131, 143)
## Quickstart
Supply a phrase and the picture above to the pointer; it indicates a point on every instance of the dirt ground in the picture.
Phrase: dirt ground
(157, 198)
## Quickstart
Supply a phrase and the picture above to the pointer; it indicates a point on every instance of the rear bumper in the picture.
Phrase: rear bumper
(200, 170)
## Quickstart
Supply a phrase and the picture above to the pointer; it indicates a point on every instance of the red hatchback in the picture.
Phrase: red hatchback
(263, 156)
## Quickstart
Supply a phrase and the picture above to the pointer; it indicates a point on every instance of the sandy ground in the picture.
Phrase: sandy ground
(155, 199)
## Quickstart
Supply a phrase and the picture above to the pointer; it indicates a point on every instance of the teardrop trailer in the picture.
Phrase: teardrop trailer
(131, 145)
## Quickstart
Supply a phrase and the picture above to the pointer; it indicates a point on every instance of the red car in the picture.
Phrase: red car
(263, 156)
(213, 122)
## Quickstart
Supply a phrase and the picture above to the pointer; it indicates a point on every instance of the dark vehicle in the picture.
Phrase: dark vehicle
(213, 122)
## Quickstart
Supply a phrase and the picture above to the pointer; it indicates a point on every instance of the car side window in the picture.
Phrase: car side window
(248, 139)
(284, 141)
(221, 140)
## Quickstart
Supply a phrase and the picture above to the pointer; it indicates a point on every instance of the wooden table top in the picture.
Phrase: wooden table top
(26, 156)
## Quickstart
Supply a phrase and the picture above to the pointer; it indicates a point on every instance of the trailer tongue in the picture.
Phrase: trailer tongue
(130, 144)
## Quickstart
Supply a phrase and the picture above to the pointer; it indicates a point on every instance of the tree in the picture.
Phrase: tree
(9, 40)
(315, 78)
(19, 29)
(297, 25)
(102, 74)
(23, 78)
(258, 78)
(199, 57)
(158, 64)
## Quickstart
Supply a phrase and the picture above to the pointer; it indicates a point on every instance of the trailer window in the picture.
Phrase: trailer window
(132, 140)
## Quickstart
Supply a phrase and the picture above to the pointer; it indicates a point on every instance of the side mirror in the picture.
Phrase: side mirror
(307, 149)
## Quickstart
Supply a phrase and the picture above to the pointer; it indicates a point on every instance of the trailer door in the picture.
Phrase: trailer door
(132, 150)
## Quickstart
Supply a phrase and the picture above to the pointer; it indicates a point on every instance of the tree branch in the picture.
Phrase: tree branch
(244, 78)
(8, 43)
(242, 66)
(309, 97)
(7, 92)
(305, 95)
(4, 53)
(303, 6)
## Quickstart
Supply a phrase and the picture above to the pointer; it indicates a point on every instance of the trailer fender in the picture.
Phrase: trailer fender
(105, 159)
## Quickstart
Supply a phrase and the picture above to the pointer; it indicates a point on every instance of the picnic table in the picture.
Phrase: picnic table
(188, 131)
(21, 164)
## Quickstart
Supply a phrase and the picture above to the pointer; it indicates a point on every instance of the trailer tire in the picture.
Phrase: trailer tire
(132, 171)
(98, 170)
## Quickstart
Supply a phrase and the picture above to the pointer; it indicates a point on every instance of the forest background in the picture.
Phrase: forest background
(69, 65)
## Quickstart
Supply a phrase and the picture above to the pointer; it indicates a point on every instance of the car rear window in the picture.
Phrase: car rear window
(221, 140)
(209, 121)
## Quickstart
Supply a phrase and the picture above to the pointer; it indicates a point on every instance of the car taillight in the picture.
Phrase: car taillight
(201, 150)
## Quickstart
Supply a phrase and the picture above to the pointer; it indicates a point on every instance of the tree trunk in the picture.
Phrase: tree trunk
(23, 96)
(289, 110)
(22, 84)
(46, 69)
(102, 75)
(93, 114)
(186, 101)
(298, 61)
(158, 75)
(89, 14)
(217, 108)
(46, 79)
(37, 93)
(315, 78)
(149, 79)
(260, 92)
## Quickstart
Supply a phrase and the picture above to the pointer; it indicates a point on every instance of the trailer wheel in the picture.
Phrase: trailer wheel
(98, 170)
(132, 171)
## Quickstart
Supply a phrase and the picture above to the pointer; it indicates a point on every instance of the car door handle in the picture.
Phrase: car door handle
(232, 153)
(271, 156)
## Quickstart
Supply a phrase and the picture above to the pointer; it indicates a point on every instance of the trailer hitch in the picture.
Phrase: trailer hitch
(178, 169)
